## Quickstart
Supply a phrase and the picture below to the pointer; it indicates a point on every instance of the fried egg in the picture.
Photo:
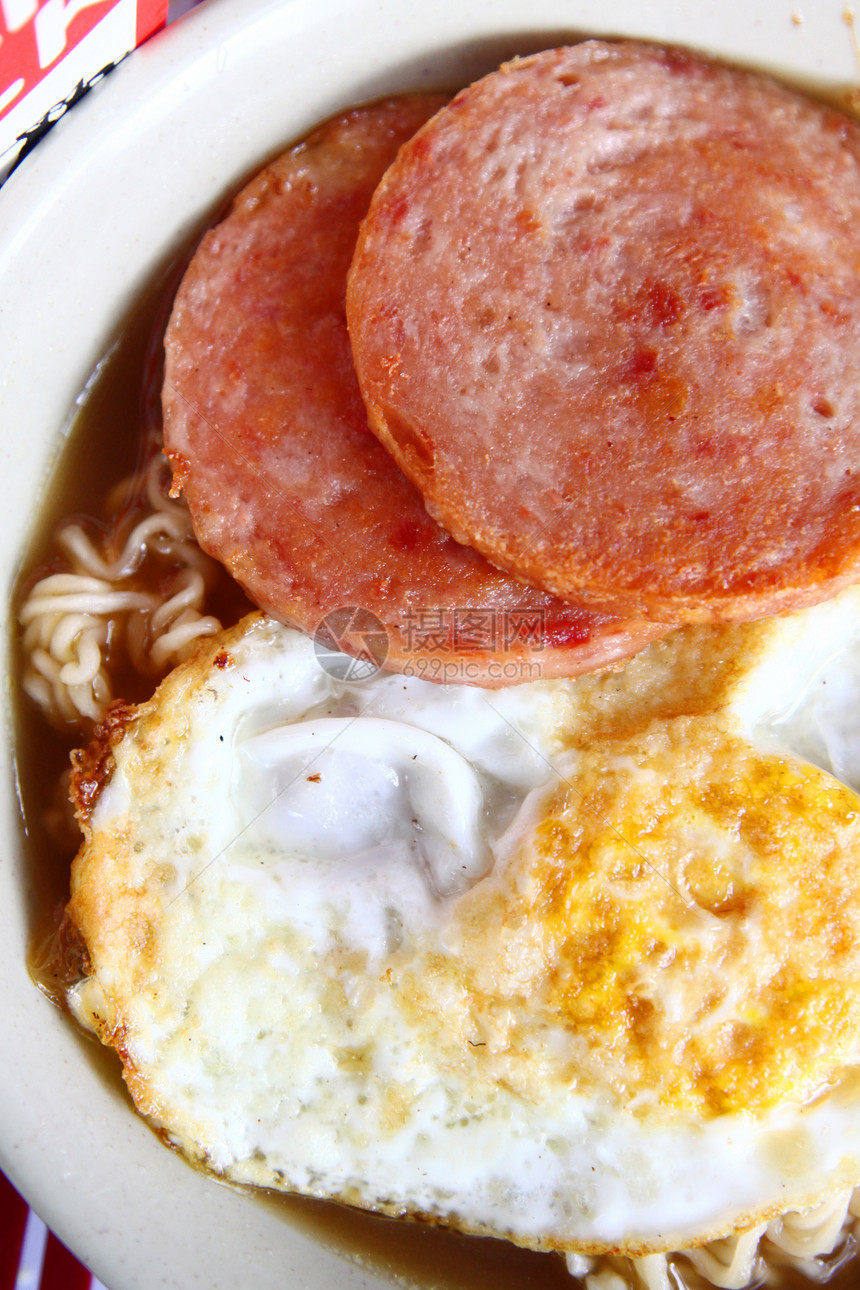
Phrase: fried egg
(576, 963)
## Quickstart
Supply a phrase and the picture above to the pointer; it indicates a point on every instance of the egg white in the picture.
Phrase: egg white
(277, 854)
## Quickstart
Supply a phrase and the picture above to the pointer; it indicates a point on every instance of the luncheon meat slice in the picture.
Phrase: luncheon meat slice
(605, 313)
(268, 437)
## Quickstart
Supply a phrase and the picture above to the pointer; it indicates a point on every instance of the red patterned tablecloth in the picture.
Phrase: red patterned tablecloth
(31, 1257)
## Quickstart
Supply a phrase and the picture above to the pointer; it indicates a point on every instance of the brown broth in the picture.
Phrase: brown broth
(103, 447)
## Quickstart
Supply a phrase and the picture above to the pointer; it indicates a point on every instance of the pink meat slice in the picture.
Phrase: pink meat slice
(605, 314)
(267, 434)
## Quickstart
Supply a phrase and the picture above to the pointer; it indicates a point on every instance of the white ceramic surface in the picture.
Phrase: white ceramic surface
(83, 223)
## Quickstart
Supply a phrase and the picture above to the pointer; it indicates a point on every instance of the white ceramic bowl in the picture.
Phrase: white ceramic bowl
(84, 223)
